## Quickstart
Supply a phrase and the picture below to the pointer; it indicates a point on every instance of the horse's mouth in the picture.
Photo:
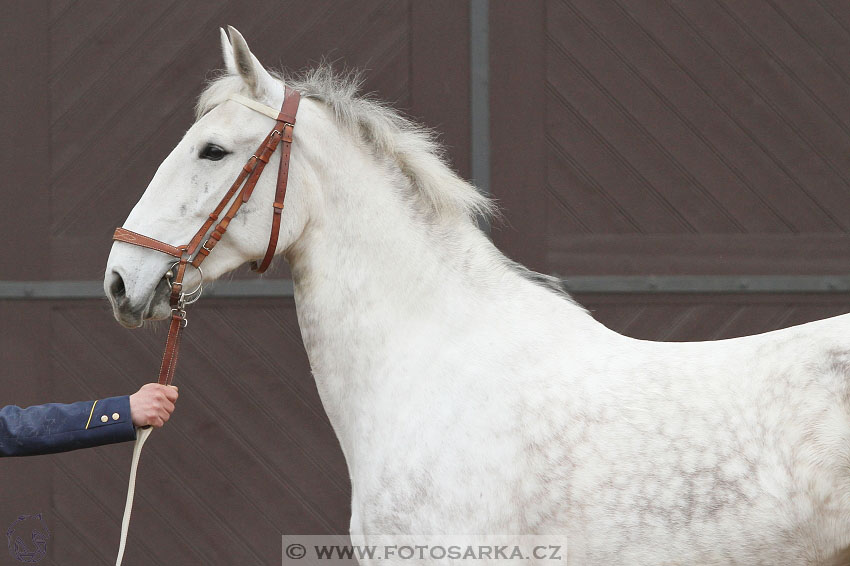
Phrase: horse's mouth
(158, 307)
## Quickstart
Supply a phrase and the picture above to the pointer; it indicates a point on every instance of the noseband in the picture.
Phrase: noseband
(200, 246)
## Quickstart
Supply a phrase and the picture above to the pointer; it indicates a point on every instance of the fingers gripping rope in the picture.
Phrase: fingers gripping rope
(142, 434)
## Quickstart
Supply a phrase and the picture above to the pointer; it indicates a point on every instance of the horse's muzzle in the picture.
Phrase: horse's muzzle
(131, 312)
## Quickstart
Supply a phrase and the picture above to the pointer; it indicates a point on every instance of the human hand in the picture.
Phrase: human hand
(152, 404)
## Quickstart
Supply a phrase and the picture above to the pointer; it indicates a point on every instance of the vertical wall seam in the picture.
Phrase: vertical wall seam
(479, 94)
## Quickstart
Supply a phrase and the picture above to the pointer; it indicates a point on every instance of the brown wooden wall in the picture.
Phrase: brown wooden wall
(674, 137)
(628, 138)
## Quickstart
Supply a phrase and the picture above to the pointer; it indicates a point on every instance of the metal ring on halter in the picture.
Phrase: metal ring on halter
(194, 294)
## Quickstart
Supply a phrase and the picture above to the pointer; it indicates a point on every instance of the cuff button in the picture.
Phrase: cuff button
(104, 418)
(115, 416)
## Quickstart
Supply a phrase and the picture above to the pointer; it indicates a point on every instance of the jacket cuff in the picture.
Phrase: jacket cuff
(110, 421)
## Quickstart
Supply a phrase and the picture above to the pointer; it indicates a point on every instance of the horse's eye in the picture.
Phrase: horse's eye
(213, 152)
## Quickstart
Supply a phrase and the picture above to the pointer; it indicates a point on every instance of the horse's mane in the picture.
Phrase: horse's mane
(414, 148)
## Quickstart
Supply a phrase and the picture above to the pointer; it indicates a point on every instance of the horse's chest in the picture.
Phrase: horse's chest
(433, 501)
(454, 485)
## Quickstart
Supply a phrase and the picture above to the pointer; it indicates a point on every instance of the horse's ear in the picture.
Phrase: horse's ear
(249, 68)
(227, 53)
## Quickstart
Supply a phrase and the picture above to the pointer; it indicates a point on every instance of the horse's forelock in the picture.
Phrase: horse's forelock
(217, 92)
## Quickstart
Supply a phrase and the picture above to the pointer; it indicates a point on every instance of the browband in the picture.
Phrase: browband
(262, 108)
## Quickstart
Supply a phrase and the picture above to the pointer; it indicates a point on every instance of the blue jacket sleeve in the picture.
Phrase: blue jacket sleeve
(56, 427)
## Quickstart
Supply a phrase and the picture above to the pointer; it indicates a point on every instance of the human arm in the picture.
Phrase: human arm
(59, 427)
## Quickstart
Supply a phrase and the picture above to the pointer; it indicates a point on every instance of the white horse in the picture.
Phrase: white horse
(470, 395)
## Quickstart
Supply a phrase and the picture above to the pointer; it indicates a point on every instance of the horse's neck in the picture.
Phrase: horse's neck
(370, 269)
(382, 294)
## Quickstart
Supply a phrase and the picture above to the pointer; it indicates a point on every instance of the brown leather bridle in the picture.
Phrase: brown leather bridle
(195, 252)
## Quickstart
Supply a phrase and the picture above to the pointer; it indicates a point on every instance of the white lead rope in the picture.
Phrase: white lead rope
(142, 434)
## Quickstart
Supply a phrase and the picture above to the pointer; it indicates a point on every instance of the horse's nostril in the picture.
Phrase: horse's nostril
(116, 288)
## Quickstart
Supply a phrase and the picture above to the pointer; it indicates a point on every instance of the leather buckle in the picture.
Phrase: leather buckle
(288, 129)
(181, 314)
(250, 164)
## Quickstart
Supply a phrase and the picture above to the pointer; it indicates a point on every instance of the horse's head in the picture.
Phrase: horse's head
(191, 182)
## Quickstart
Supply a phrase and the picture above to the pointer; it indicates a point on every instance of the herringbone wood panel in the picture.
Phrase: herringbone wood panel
(680, 124)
